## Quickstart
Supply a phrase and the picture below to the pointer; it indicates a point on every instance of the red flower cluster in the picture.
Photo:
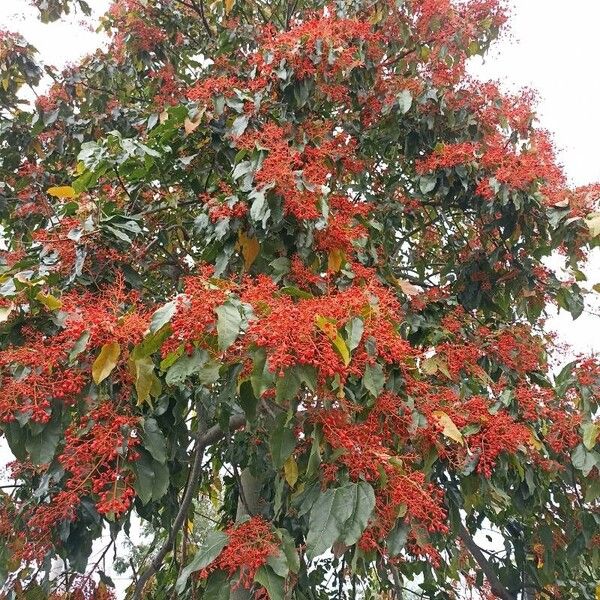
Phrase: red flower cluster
(375, 449)
(446, 156)
(94, 456)
(112, 315)
(250, 545)
(289, 330)
(195, 317)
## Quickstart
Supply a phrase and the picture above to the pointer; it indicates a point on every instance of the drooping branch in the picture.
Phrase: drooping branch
(496, 585)
(204, 440)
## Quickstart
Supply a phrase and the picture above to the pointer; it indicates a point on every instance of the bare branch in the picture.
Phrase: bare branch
(496, 585)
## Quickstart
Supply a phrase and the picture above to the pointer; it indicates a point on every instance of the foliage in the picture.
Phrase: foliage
(290, 257)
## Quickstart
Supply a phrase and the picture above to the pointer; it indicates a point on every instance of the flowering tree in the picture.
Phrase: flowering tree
(289, 257)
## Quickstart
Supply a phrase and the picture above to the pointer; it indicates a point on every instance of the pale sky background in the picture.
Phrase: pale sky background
(552, 48)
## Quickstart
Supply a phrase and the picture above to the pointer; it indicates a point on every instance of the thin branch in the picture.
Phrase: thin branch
(203, 440)
(198, 7)
(496, 585)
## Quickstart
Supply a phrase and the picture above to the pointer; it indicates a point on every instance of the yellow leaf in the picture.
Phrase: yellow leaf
(190, 125)
(408, 288)
(593, 222)
(534, 441)
(144, 379)
(435, 363)
(450, 429)
(290, 468)
(598, 592)
(5, 312)
(63, 191)
(443, 367)
(229, 4)
(335, 260)
(430, 365)
(106, 361)
(376, 17)
(329, 328)
(250, 248)
(49, 301)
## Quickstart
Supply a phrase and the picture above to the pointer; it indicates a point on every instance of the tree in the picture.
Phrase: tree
(287, 255)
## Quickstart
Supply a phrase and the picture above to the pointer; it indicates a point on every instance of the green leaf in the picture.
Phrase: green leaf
(278, 562)
(427, 183)
(571, 300)
(239, 125)
(583, 460)
(106, 361)
(248, 400)
(154, 440)
(163, 315)
(405, 101)
(289, 549)
(288, 386)
(273, 583)
(186, 366)
(79, 346)
(259, 211)
(397, 538)
(218, 586)
(282, 443)
(42, 447)
(211, 548)
(262, 378)
(152, 343)
(354, 332)
(362, 509)
(374, 378)
(338, 514)
(152, 478)
(229, 321)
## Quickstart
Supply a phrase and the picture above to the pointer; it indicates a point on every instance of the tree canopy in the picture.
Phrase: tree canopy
(288, 256)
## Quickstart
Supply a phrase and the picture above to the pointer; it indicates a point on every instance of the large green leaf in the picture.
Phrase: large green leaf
(374, 378)
(229, 322)
(186, 366)
(151, 478)
(339, 514)
(212, 547)
(273, 583)
(363, 503)
(282, 444)
(154, 440)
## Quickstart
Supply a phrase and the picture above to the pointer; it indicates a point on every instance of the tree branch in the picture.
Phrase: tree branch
(203, 440)
(496, 585)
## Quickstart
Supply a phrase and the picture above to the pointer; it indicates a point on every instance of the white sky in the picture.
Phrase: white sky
(552, 48)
